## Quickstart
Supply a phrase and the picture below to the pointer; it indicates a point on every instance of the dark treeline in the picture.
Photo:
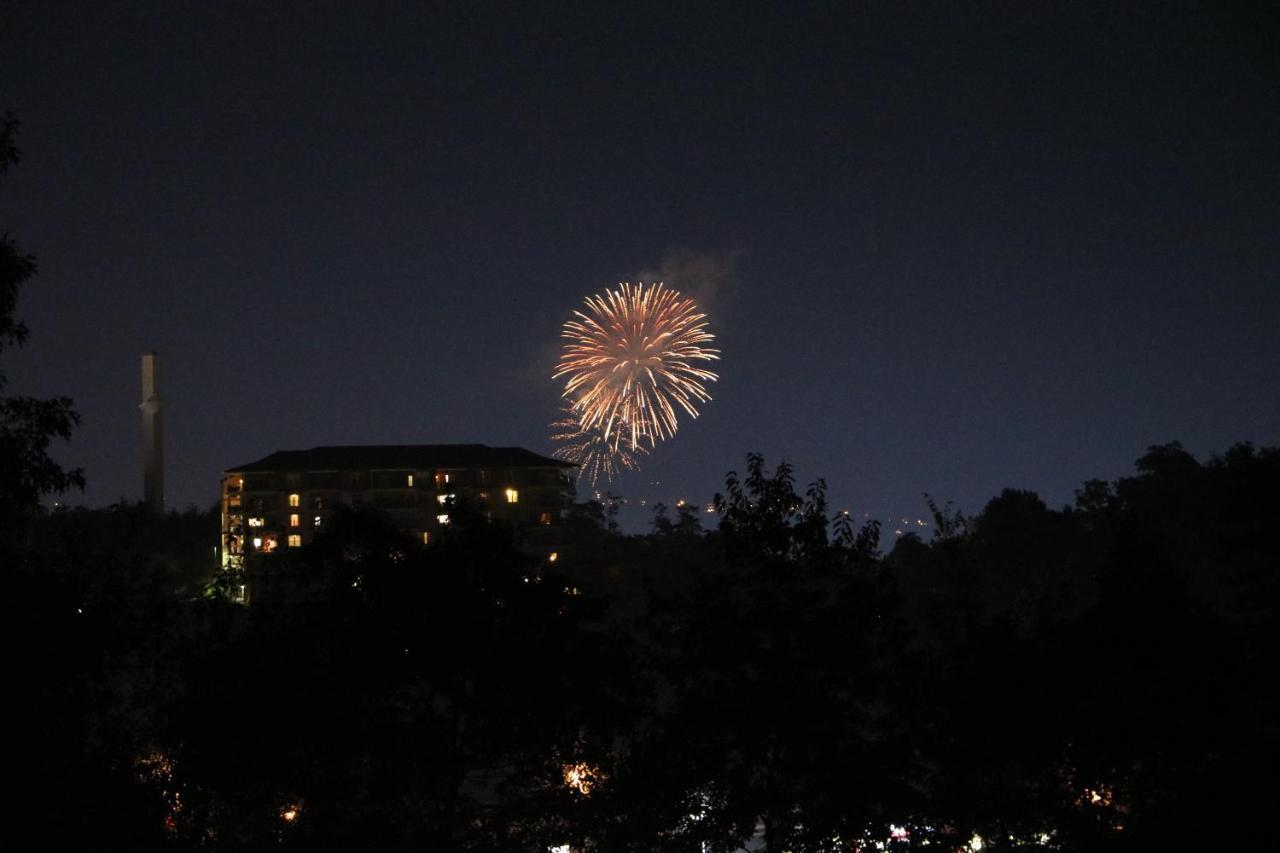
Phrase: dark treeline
(1095, 677)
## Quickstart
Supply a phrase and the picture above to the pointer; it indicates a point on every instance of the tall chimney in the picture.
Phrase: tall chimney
(153, 434)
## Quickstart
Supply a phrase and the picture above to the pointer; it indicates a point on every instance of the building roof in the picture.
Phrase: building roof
(407, 457)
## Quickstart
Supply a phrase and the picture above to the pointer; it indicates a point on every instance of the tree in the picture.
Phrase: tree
(661, 522)
(27, 425)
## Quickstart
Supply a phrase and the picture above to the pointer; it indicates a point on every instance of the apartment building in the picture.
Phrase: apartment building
(282, 500)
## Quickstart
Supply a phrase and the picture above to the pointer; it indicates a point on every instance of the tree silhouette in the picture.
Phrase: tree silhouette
(1095, 677)
(27, 425)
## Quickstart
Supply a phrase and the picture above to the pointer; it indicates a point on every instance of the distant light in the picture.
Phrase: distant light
(553, 556)
(976, 843)
(581, 777)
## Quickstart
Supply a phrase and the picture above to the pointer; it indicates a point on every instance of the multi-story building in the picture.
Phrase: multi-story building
(282, 500)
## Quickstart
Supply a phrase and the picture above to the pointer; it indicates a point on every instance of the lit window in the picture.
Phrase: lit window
(294, 520)
(269, 543)
(235, 501)
(317, 521)
(257, 542)
(513, 496)
(255, 521)
(410, 483)
(295, 500)
(295, 541)
(426, 537)
(443, 518)
(442, 480)
(443, 498)
(544, 518)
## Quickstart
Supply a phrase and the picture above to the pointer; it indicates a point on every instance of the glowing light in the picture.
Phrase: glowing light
(976, 842)
(582, 778)
(157, 769)
(632, 358)
(513, 496)
(290, 812)
(1101, 796)
(588, 449)
(553, 556)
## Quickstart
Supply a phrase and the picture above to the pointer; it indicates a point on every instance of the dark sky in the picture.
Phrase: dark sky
(945, 247)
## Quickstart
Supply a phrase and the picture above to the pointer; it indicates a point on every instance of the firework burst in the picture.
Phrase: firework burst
(587, 448)
(632, 359)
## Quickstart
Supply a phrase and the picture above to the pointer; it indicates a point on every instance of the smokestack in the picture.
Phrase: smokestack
(153, 434)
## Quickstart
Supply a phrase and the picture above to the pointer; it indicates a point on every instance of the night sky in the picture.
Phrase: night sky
(943, 249)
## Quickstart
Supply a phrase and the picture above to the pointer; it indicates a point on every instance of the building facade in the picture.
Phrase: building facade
(283, 500)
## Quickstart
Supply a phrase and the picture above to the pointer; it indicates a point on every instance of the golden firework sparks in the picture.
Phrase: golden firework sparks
(632, 358)
(587, 448)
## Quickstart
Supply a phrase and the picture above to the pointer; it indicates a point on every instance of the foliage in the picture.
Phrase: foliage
(27, 425)
(1094, 677)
